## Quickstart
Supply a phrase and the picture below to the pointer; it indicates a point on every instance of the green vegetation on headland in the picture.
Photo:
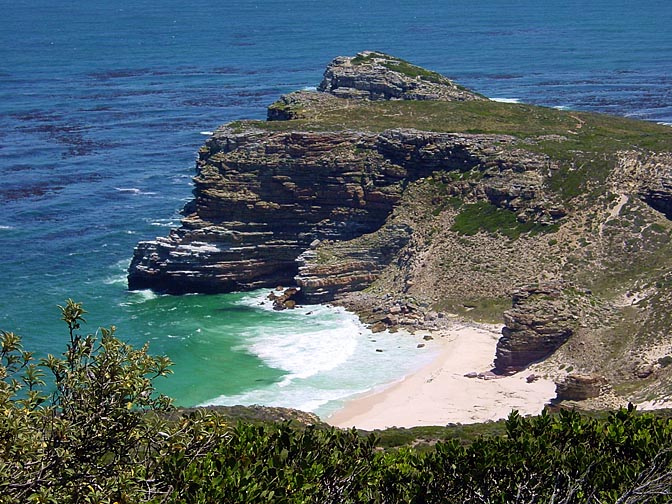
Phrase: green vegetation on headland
(401, 66)
(581, 130)
(484, 216)
(405, 68)
(100, 434)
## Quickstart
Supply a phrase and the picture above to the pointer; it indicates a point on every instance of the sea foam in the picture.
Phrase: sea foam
(139, 296)
(505, 100)
(134, 190)
(303, 351)
(327, 355)
(304, 341)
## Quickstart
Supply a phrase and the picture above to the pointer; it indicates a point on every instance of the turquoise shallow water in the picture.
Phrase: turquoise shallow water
(235, 349)
(102, 109)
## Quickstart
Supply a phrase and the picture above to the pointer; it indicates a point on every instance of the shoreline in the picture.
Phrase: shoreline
(440, 394)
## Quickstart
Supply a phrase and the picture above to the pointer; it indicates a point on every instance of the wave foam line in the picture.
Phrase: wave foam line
(139, 296)
(505, 100)
(327, 354)
(134, 190)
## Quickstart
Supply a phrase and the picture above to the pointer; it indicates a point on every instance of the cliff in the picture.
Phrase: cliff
(396, 180)
(263, 197)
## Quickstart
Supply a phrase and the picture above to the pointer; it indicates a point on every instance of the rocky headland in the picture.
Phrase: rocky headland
(402, 195)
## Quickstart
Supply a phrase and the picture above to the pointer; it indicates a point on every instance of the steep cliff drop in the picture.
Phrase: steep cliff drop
(261, 198)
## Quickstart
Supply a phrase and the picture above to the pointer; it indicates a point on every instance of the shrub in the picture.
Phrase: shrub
(484, 216)
(88, 437)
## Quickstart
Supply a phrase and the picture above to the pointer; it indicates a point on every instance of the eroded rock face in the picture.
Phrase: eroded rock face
(649, 175)
(657, 191)
(578, 387)
(377, 76)
(261, 199)
(542, 318)
(357, 266)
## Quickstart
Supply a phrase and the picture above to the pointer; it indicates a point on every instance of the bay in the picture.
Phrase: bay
(103, 106)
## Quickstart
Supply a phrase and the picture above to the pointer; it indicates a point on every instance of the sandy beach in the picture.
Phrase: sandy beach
(439, 393)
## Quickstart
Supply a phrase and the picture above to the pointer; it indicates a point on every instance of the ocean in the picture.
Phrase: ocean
(104, 104)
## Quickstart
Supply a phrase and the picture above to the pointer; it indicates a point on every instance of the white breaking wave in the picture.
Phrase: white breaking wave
(139, 296)
(305, 354)
(133, 190)
(115, 279)
(506, 100)
(119, 270)
(327, 354)
(328, 340)
(163, 223)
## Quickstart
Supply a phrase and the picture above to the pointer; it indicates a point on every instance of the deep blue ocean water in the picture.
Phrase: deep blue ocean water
(103, 105)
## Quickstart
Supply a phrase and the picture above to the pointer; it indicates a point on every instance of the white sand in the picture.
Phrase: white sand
(439, 393)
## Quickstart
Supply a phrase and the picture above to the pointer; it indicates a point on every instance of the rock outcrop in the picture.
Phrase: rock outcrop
(376, 76)
(657, 190)
(331, 268)
(647, 174)
(579, 387)
(260, 200)
(300, 104)
(542, 318)
(284, 299)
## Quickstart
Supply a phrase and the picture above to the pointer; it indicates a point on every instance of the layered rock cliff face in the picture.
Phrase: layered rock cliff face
(396, 180)
(542, 317)
(579, 387)
(261, 199)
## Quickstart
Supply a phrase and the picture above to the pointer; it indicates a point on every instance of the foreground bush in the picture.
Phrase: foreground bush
(99, 433)
(87, 437)
(566, 458)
